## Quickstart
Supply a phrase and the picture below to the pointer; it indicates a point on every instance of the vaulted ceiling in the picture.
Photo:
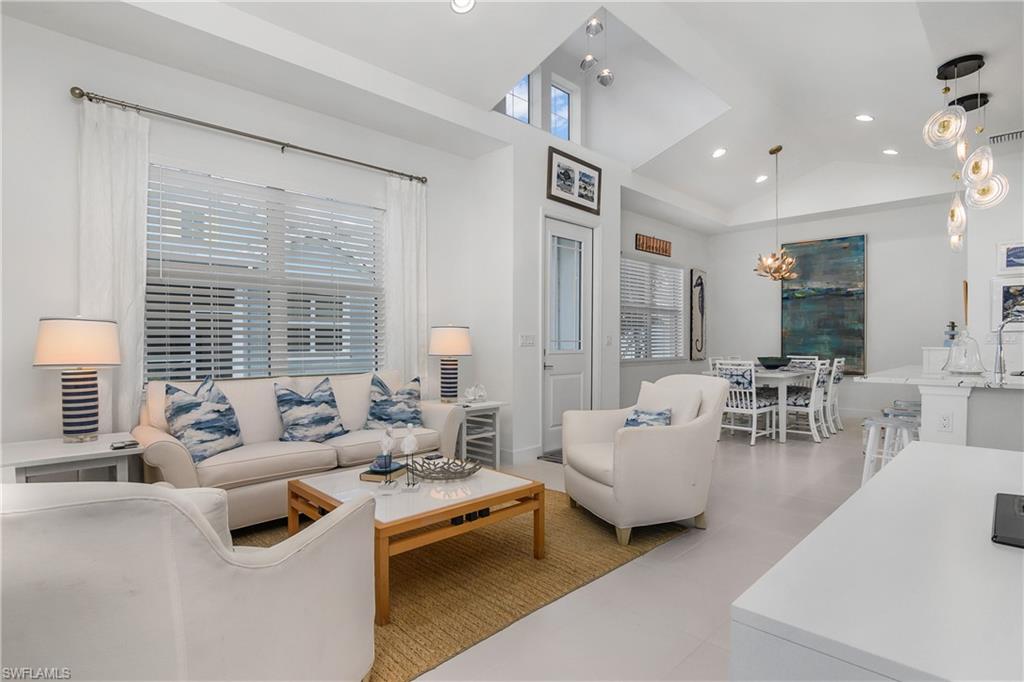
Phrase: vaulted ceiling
(785, 73)
(741, 76)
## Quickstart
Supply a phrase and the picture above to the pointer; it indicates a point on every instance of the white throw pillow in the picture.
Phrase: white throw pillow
(684, 405)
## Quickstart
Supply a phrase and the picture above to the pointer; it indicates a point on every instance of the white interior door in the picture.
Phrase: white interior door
(568, 299)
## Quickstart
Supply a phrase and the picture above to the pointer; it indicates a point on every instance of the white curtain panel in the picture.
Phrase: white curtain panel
(405, 277)
(113, 168)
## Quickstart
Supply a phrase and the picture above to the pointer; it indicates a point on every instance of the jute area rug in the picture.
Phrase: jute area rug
(448, 596)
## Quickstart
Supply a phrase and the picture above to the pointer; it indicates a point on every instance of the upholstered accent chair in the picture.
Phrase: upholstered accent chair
(126, 581)
(640, 476)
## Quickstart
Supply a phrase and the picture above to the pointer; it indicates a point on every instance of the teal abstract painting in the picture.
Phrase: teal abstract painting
(823, 308)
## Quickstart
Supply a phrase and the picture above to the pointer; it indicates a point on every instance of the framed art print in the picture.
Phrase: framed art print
(1011, 258)
(823, 310)
(574, 182)
(1007, 296)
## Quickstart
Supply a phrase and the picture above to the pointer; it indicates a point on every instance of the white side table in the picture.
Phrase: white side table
(53, 456)
(480, 436)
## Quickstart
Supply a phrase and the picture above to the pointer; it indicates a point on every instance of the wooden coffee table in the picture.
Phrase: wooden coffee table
(407, 521)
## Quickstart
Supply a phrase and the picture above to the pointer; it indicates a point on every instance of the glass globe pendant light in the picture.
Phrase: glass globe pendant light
(956, 222)
(962, 149)
(989, 194)
(778, 265)
(945, 127)
(978, 167)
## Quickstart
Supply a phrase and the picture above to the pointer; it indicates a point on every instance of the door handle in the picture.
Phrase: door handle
(547, 366)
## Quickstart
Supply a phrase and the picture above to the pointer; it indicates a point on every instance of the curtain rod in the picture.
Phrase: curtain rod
(79, 93)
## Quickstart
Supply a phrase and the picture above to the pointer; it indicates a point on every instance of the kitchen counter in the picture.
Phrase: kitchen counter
(944, 398)
(901, 582)
(913, 375)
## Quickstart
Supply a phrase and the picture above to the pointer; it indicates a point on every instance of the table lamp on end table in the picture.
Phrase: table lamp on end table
(78, 346)
(450, 342)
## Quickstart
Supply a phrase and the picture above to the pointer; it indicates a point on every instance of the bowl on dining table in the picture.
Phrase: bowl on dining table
(773, 362)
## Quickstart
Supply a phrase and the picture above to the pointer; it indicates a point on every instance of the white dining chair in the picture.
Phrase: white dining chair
(715, 359)
(832, 397)
(745, 400)
(808, 399)
(802, 361)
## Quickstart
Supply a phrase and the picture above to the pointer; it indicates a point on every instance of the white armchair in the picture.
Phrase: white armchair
(128, 581)
(646, 475)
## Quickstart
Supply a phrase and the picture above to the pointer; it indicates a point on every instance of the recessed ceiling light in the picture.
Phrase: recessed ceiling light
(865, 118)
(890, 152)
(718, 153)
(462, 6)
(760, 178)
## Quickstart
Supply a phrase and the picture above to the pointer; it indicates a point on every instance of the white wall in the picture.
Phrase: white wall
(996, 417)
(40, 186)
(912, 290)
(689, 250)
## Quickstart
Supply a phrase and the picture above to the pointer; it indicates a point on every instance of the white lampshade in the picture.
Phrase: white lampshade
(76, 342)
(450, 341)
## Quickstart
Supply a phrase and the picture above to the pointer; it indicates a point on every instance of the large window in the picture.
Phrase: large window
(517, 100)
(249, 281)
(560, 104)
(651, 312)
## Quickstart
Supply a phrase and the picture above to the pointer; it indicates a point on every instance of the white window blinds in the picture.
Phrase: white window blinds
(651, 311)
(248, 281)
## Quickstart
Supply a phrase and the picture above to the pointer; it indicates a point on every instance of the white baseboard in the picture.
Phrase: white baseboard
(521, 456)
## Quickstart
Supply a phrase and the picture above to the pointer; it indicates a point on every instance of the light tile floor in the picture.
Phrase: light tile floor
(665, 616)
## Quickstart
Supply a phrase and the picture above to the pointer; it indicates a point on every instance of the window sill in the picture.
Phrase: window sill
(660, 361)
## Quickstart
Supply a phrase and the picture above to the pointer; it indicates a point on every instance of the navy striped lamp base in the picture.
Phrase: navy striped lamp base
(449, 380)
(80, 405)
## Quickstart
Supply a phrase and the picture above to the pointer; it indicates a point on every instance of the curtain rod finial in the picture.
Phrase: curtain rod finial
(77, 92)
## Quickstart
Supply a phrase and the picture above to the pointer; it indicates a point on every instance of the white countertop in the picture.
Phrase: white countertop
(903, 579)
(914, 375)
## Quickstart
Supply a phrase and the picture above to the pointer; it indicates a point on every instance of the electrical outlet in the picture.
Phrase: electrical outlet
(946, 422)
(527, 340)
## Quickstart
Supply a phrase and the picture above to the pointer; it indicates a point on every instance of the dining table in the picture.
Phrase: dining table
(780, 379)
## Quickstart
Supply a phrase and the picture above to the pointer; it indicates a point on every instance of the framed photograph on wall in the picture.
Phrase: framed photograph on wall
(698, 322)
(1007, 295)
(574, 182)
(1011, 258)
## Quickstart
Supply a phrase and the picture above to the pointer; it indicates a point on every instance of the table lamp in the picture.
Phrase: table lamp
(450, 342)
(77, 346)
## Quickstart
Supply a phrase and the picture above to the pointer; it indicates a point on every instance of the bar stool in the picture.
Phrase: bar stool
(885, 437)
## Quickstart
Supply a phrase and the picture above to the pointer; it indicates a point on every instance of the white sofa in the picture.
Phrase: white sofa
(256, 474)
(125, 581)
(641, 476)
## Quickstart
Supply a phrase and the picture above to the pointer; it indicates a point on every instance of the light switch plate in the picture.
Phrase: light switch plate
(527, 340)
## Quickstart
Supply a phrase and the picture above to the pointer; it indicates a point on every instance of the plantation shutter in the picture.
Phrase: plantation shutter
(651, 311)
(249, 281)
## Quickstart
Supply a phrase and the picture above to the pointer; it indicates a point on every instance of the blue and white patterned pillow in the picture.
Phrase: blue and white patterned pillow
(203, 421)
(649, 418)
(741, 379)
(313, 417)
(394, 408)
